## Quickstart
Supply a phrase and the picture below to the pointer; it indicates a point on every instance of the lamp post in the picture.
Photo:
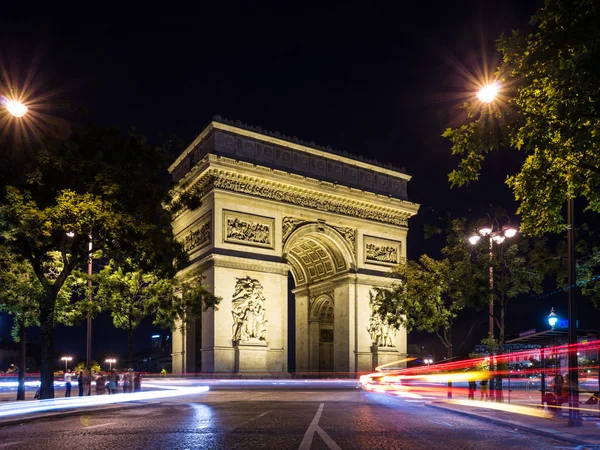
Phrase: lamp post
(88, 354)
(494, 235)
(110, 361)
(574, 418)
(66, 359)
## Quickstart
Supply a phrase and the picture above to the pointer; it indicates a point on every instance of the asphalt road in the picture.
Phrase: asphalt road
(271, 419)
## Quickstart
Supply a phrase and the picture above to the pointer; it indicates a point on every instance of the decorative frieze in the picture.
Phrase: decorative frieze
(284, 193)
(198, 237)
(248, 229)
(381, 251)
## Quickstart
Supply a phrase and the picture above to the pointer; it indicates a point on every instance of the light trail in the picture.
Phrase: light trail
(69, 403)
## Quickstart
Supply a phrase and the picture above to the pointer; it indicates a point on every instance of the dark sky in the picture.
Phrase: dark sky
(378, 80)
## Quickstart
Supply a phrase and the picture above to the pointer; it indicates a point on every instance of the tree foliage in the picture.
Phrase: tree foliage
(424, 298)
(549, 109)
(98, 183)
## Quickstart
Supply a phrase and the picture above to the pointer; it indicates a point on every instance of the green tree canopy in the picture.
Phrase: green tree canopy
(97, 184)
(549, 109)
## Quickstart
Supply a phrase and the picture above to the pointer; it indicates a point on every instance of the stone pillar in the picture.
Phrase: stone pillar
(386, 355)
(250, 357)
(302, 331)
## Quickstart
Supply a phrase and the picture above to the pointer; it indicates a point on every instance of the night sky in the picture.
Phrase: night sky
(378, 81)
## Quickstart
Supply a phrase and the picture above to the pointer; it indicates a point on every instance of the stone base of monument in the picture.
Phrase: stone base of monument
(387, 355)
(251, 357)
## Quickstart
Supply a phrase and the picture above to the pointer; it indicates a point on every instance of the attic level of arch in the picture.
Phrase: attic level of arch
(253, 147)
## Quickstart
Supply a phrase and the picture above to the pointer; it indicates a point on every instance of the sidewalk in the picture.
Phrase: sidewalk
(588, 434)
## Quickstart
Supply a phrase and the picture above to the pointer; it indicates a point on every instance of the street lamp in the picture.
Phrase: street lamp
(110, 361)
(14, 107)
(495, 236)
(66, 359)
(488, 93)
(552, 318)
(88, 356)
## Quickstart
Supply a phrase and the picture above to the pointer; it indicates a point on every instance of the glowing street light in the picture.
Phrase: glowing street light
(488, 93)
(66, 359)
(17, 109)
(14, 107)
(428, 361)
(110, 361)
(552, 318)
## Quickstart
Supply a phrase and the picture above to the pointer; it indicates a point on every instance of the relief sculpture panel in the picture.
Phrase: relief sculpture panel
(198, 237)
(248, 229)
(248, 310)
(381, 251)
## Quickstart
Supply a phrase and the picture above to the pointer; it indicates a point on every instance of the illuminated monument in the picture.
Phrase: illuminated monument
(271, 206)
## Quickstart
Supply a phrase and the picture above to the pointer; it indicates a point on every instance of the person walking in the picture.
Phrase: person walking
(130, 376)
(125, 383)
(111, 385)
(483, 384)
(137, 382)
(80, 383)
(68, 378)
(472, 389)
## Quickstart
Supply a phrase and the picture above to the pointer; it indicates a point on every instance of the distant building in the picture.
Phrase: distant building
(157, 357)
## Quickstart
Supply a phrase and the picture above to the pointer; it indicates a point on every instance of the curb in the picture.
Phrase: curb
(63, 413)
(571, 439)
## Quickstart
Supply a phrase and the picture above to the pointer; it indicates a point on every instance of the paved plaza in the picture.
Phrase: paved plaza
(271, 418)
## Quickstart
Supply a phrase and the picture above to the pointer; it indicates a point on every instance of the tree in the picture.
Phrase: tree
(426, 297)
(20, 296)
(98, 183)
(549, 109)
(182, 302)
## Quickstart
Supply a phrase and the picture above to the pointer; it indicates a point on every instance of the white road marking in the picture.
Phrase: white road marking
(314, 426)
(308, 436)
(332, 445)
(100, 425)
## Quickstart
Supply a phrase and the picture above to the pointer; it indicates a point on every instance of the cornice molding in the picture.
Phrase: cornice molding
(213, 178)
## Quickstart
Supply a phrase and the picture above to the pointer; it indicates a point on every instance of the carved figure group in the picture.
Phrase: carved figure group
(243, 230)
(381, 332)
(248, 310)
(382, 253)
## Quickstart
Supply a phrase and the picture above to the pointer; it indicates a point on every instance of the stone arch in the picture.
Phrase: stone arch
(316, 251)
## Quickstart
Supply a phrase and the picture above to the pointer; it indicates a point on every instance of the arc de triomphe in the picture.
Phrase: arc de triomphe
(271, 206)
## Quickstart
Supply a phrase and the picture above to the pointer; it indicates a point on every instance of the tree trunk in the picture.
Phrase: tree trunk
(47, 351)
(22, 358)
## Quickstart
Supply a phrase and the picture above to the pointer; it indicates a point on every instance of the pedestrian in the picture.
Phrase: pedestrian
(472, 389)
(125, 383)
(117, 379)
(80, 383)
(68, 378)
(87, 382)
(130, 376)
(137, 382)
(483, 384)
(112, 384)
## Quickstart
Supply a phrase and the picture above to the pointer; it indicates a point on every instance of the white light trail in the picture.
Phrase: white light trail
(37, 406)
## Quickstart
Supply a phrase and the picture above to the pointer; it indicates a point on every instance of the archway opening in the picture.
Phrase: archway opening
(317, 256)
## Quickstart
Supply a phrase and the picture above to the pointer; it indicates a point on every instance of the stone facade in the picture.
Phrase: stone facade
(271, 207)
